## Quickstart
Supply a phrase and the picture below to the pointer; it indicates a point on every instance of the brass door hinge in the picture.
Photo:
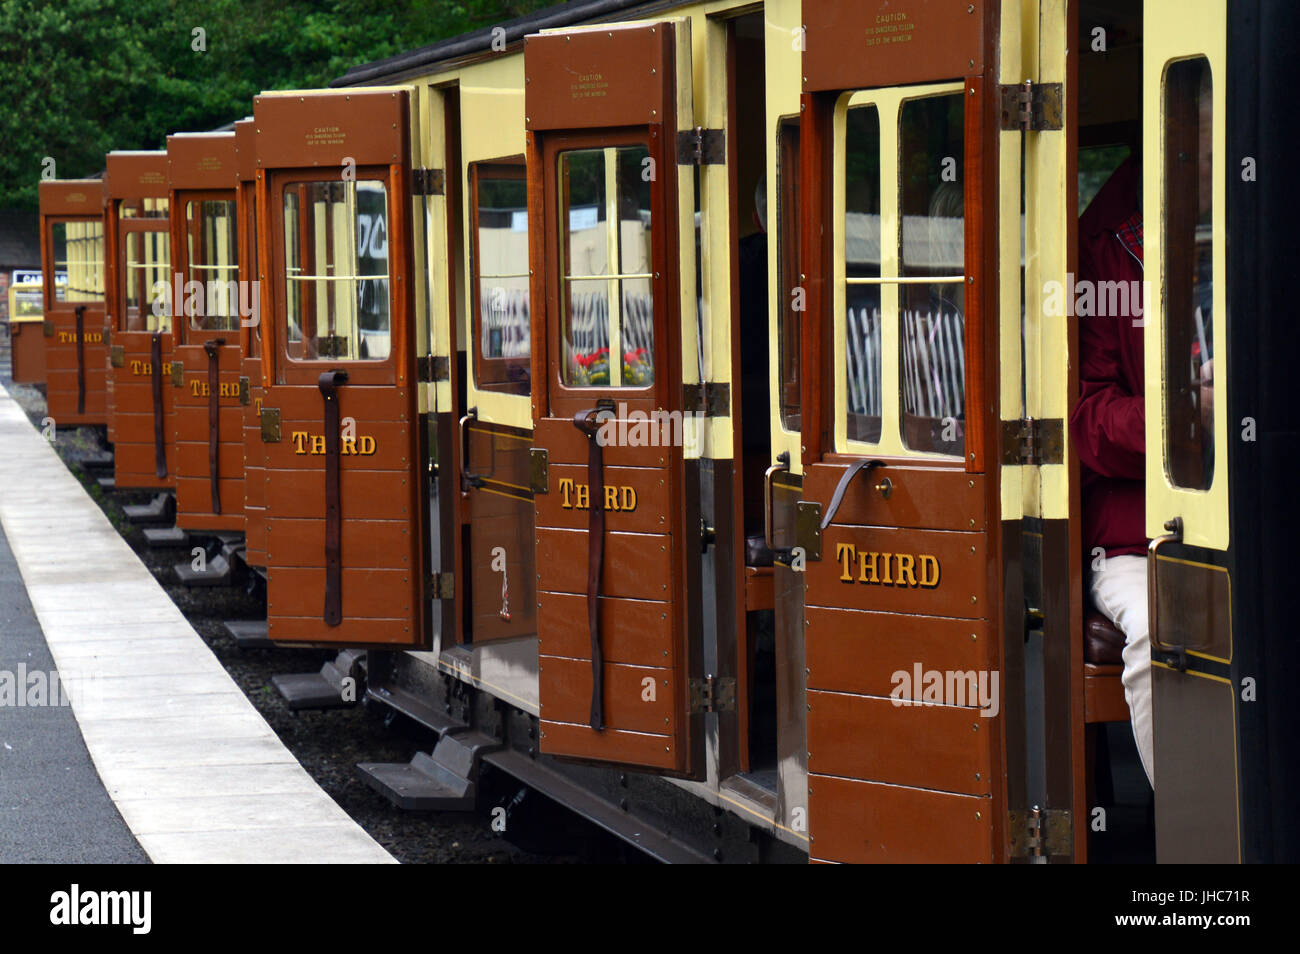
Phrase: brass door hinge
(245, 391)
(442, 585)
(117, 356)
(539, 462)
(47, 326)
(270, 425)
(713, 694)
(430, 368)
(701, 147)
(1031, 107)
(428, 182)
(1033, 441)
(710, 398)
(808, 528)
(178, 374)
(1038, 832)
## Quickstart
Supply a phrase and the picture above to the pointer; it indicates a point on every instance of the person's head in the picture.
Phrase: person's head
(760, 203)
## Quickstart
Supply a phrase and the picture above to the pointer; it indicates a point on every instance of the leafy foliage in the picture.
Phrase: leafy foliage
(83, 77)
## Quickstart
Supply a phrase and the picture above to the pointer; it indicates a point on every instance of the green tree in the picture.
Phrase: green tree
(82, 77)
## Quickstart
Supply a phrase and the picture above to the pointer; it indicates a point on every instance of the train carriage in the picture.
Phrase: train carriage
(139, 323)
(510, 350)
(207, 304)
(26, 331)
(250, 334)
(72, 244)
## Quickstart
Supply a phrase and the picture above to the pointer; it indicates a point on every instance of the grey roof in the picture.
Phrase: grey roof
(480, 41)
(20, 239)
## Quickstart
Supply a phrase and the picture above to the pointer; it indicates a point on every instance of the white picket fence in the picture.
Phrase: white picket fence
(933, 366)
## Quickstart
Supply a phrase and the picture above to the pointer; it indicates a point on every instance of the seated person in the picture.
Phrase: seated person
(1108, 426)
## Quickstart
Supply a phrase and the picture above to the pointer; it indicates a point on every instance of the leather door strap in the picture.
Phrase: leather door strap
(81, 358)
(159, 441)
(858, 467)
(213, 348)
(329, 383)
(588, 422)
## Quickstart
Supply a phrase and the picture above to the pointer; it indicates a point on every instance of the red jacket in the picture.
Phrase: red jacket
(1109, 420)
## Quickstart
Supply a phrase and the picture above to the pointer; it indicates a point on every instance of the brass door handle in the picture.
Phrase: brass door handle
(782, 465)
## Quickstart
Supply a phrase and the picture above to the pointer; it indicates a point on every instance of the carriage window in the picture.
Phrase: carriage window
(145, 279)
(148, 208)
(932, 326)
(862, 271)
(79, 253)
(500, 261)
(336, 271)
(787, 238)
(213, 260)
(606, 267)
(1188, 272)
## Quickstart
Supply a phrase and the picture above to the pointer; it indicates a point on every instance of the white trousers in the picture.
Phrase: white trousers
(1119, 591)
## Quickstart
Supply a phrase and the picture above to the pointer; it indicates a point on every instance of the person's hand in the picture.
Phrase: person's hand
(1207, 395)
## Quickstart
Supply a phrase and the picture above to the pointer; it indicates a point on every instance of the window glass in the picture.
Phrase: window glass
(1188, 273)
(143, 208)
(607, 267)
(862, 271)
(78, 249)
(213, 263)
(501, 277)
(146, 275)
(336, 271)
(932, 326)
(787, 237)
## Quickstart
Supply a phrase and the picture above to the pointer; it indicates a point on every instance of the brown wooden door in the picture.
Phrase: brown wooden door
(344, 500)
(72, 257)
(606, 222)
(900, 514)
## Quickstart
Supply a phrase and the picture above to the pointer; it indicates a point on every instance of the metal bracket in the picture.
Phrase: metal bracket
(245, 391)
(47, 327)
(270, 425)
(1039, 832)
(428, 182)
(442, 585)
(1033, 441)
(701, 147)
(712, 398)
(713, 694)
(332, 346)
(1031, 107)
(177, 370)
(539, 470)
(117, 356)
(432, 367)
(808, 529)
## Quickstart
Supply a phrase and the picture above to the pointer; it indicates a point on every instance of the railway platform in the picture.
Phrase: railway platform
(141, 747)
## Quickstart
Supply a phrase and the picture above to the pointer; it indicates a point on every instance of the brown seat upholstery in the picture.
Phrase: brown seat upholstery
(1103, 643)
(1103, 693)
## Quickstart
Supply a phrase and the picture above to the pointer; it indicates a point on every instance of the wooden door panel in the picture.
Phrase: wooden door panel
(859, 651)
(637, 698)
(940, 747)
(631, 631)
(858, 822)
(652, 751)
(369, 544)
(920, 497)
(370, 494)
(636, 499)
(636, 565)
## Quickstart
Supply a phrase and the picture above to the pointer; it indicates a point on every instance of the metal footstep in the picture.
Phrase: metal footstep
(336, 686)
(217, 567)
(162, 538)
(107, 483)
(249, 634)
(445, 781)
(161, 509)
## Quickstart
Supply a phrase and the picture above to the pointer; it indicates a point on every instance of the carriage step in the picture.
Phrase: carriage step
(107, 483)
(161, 509)
(102, 461)
(164, 537)
(248, 633)
(215, 572)
(336, 686)
(445, 781)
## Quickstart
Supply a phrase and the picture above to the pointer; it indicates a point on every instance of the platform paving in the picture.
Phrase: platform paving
(187, 769)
